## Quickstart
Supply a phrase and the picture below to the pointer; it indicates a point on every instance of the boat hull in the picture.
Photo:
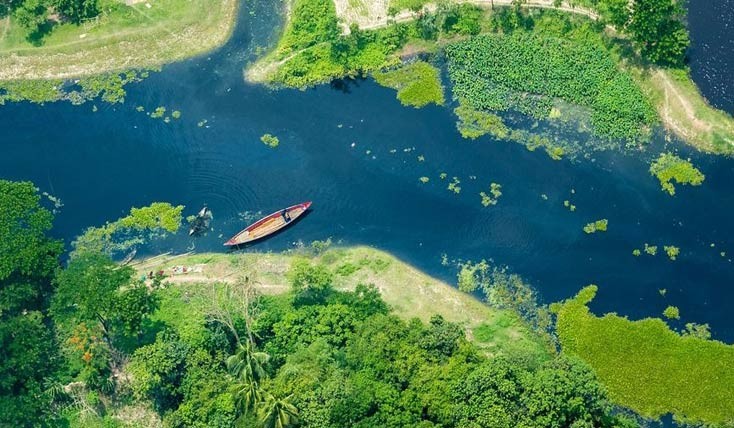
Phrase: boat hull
(268, 225)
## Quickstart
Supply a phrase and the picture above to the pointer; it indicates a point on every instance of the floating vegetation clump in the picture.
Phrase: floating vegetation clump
(454, 185)
(663, 291)
(158, 113)
(651, 249)
(270, 140)
(596, 226)
(672, 251)
(442, 175)
(418, 84)
(424, 179)
(495, 191)
(474, 124)
(672, 313)
(176, 114)
(109, 87)
(201, 123)
(636, 252)
(669, 167)
(571, 207)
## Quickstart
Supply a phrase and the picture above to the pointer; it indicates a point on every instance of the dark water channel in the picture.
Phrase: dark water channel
(354, 151)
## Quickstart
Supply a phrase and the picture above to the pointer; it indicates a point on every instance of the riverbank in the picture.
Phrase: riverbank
(408, 291)
(142, 35)
(307, 55)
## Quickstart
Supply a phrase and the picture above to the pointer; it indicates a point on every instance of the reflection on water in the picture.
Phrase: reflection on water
(358, 154)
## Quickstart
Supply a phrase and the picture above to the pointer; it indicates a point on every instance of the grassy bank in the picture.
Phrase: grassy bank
(409, 292)
(648, 367)
(121, 38)
(685, 112)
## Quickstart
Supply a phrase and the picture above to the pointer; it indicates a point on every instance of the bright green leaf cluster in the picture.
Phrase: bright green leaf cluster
(270, 140)
(418, 84)
(669, 167)
(596, 226)
(525, 72)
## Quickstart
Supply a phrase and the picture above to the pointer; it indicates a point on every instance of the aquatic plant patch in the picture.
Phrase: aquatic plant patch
(418, 84)
(491, 198)
(270, 140)
(648, 367)
(526, 72)
(669, 168)
(596, 226)
(109, 87)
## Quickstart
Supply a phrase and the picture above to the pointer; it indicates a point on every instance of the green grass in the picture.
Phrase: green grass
(418, 84)
(122, 37)
(648, 367)
(411, 293)
(669, 167)
(684, 111)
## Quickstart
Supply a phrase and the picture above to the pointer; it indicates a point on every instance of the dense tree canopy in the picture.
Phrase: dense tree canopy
(76, 10)
(28, 259)
(657, 26)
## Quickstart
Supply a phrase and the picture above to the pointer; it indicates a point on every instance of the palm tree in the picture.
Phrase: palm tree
(247, 364)
(277, 413)
(247, 395)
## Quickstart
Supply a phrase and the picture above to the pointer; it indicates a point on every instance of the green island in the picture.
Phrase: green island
(648, 367)
(530, 57)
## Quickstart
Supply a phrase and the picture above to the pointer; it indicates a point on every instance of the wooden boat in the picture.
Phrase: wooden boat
(269, 224)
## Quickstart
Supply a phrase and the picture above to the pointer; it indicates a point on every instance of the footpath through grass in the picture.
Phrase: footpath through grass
(648, 367)
(411, 293)
(121, 38)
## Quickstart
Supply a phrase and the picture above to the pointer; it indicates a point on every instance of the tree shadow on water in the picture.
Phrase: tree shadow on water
(345, 85)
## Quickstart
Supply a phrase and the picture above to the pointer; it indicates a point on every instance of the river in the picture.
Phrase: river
(354, 151)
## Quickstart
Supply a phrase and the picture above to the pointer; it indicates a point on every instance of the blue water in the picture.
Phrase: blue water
(353, 150)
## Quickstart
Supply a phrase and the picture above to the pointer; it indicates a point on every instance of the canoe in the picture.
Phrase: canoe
(268, 225)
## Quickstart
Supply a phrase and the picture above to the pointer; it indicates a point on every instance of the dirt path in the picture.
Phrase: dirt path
(690, 113)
